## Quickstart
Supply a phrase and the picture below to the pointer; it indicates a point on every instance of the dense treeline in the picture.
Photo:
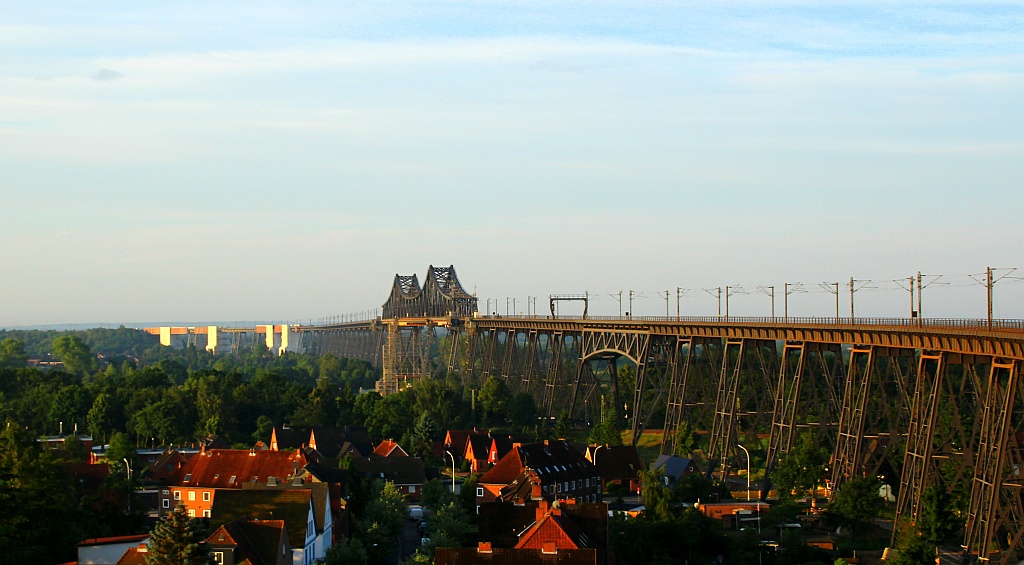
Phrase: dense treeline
(122, 341)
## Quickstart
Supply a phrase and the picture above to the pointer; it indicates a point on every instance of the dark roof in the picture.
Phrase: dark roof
(398, 470)
(257, 540)
(334, 442)
(507, 556)
(673, 465)
(165, 465)
(331, 441)
(320, 496)
(616, 461)
(479, 444)
(292, 506)
(552, 461)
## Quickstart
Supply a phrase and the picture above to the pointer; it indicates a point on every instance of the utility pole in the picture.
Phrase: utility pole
(851, 299)
(920, 313)
(619, 298)
(990, 283)
(834, 289)
(720, 301)
(679, 294)
(666, 304)
(630, 313)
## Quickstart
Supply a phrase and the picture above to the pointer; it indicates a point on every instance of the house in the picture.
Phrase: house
(107, 551)
(246, 541)
(195, 484)
(476, 450)
(135, 555)
(455, 442)
(528, 524)
(407, 473)
(536, 532)
(501, 444)
(618, 464)
(166, 464)
(733, 514)
(332, 442)
(388, 448)
(674, 468)
(556, 467)
(325, 517)
(294, 507)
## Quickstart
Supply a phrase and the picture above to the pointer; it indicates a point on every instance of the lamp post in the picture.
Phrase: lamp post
(748, 469)
(453, 469)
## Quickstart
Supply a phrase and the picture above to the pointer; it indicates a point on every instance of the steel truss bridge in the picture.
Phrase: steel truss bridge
(915, 397)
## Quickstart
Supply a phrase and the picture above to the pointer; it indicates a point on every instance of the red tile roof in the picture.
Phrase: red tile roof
(113, 540)
(216, 467)
(388, 448)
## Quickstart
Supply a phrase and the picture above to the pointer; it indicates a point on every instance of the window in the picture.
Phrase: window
(188, 477)
(480, 491)
(412, 489)
(167, 503)
(191, 495)
(232, 479)
(218, 556)
(587, 482)
(206, 496)
(206, 513)
(191, 513)
(177, 495)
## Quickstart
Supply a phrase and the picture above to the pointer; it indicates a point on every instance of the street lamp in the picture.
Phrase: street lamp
(453, 469)
(748, 469)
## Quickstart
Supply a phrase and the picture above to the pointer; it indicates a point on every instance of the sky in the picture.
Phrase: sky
(272, 161)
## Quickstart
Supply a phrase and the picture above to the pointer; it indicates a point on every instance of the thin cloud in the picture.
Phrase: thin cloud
(106, 75)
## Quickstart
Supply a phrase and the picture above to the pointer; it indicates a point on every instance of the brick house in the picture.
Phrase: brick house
(617, 464)
(557, 468)
(250, 541)
(293, 507)
(195, 484)
(407, 473)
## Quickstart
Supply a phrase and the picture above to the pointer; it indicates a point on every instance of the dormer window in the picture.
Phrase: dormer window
(232, 479)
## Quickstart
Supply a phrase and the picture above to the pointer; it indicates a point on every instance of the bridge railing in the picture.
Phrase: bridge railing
(831, 321)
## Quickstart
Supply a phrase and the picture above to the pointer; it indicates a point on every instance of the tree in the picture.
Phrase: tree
(349, 551)
(449, 526)
(74, 354)
(178, 540)
(12, 354)
(422, 437)
(494, 398)
(857, 503)
(121, 447)
(685, 439)
(382, 521)
(102, 416)
(607, 431)
(523, 411)
(802, 469)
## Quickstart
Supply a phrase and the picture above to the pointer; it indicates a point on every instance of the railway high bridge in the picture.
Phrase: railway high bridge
(913, 398)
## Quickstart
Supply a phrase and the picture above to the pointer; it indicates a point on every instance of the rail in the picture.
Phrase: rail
(937, 323)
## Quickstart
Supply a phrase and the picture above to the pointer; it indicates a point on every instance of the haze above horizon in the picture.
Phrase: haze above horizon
(271, 161)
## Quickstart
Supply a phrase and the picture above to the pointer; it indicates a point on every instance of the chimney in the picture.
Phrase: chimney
(542, 510)
(537, 492)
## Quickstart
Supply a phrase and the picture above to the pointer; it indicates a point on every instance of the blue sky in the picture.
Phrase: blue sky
(272, 161)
